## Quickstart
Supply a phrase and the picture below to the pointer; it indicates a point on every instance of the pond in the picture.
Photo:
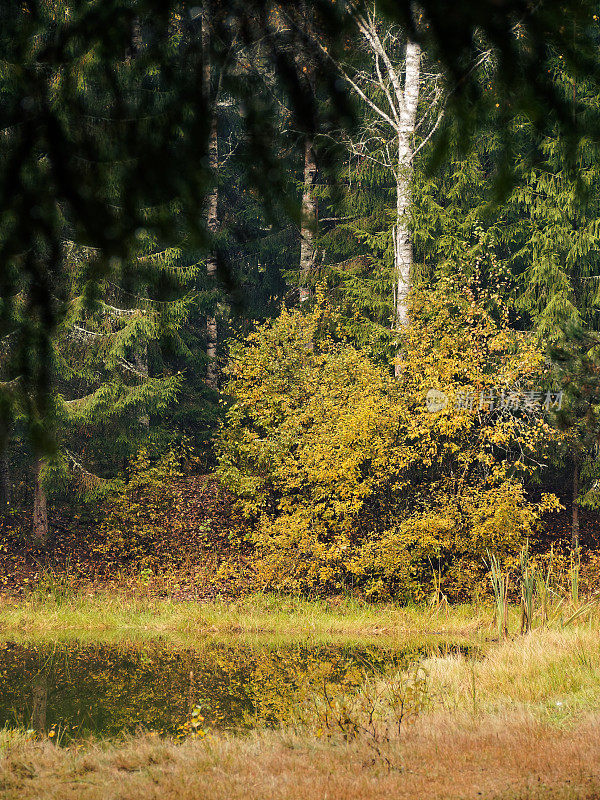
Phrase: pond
(74, 690)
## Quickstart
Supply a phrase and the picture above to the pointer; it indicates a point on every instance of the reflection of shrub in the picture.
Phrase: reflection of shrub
(378, 713)
(345, 475)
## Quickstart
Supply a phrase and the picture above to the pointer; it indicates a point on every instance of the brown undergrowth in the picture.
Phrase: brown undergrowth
(194, 551)
(500, 758)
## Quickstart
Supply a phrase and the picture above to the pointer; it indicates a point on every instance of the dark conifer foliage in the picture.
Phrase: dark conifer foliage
(105, 126)
(105, 134)
(103, 118)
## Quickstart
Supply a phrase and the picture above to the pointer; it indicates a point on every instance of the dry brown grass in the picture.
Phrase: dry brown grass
(537, 669)
(498, 757)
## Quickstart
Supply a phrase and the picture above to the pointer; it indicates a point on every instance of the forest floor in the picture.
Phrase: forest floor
(523, 721)
(197, 551)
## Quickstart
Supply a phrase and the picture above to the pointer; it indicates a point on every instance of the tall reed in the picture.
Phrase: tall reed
(500, 582)
(528, 587)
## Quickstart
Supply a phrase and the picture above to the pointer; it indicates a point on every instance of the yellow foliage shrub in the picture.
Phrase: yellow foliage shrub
(348, 479)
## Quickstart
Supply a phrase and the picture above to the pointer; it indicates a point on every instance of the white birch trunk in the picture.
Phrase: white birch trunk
(308, 225)
(395, 110)
(403, 256)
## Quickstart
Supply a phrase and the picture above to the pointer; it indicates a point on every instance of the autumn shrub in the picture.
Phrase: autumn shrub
(345, 476)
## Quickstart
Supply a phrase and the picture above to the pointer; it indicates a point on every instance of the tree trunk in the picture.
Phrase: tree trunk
(403, 255)
(212, 223)
(135, 40)
(140, 360)
(575, 510)
(212, 217)
(308, 224)
(5, 484)
(136, 36)
(40, 509)
(40, 703)
(308, 211)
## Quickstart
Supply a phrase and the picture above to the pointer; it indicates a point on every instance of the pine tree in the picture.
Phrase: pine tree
(112, 375)
(113, 386)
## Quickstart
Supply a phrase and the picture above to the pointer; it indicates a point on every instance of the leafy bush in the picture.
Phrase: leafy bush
(348, 479)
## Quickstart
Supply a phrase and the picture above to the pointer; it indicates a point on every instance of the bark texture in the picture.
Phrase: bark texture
(212, 217)
(308, 225)
(305, 63)
(403, 254)
(212, 223)
(5, 484)
(40, 506)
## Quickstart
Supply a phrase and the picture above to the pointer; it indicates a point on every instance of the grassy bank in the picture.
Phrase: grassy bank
(108, 617)
(548, 675)
(522, 722)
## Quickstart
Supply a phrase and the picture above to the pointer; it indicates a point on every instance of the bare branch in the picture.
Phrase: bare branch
(430, 134)
(358, 90)
(369, 31)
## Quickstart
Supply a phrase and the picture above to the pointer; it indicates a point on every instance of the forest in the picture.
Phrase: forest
(299, 399)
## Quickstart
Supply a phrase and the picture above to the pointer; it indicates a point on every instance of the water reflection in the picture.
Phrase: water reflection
(106, 690)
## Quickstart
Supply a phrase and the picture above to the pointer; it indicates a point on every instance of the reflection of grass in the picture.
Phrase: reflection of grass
(523, 721)
(110, 617)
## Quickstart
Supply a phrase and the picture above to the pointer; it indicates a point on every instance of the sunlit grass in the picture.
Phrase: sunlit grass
(555, 673)
(549, 677)
(110, 616)
(12, 738)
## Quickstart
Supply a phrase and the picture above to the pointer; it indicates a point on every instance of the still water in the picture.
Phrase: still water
(76, 690)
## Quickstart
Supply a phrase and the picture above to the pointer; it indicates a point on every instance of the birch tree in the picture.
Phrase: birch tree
(212, 218)
(390, 89)
(308, 222)
(309, 208)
